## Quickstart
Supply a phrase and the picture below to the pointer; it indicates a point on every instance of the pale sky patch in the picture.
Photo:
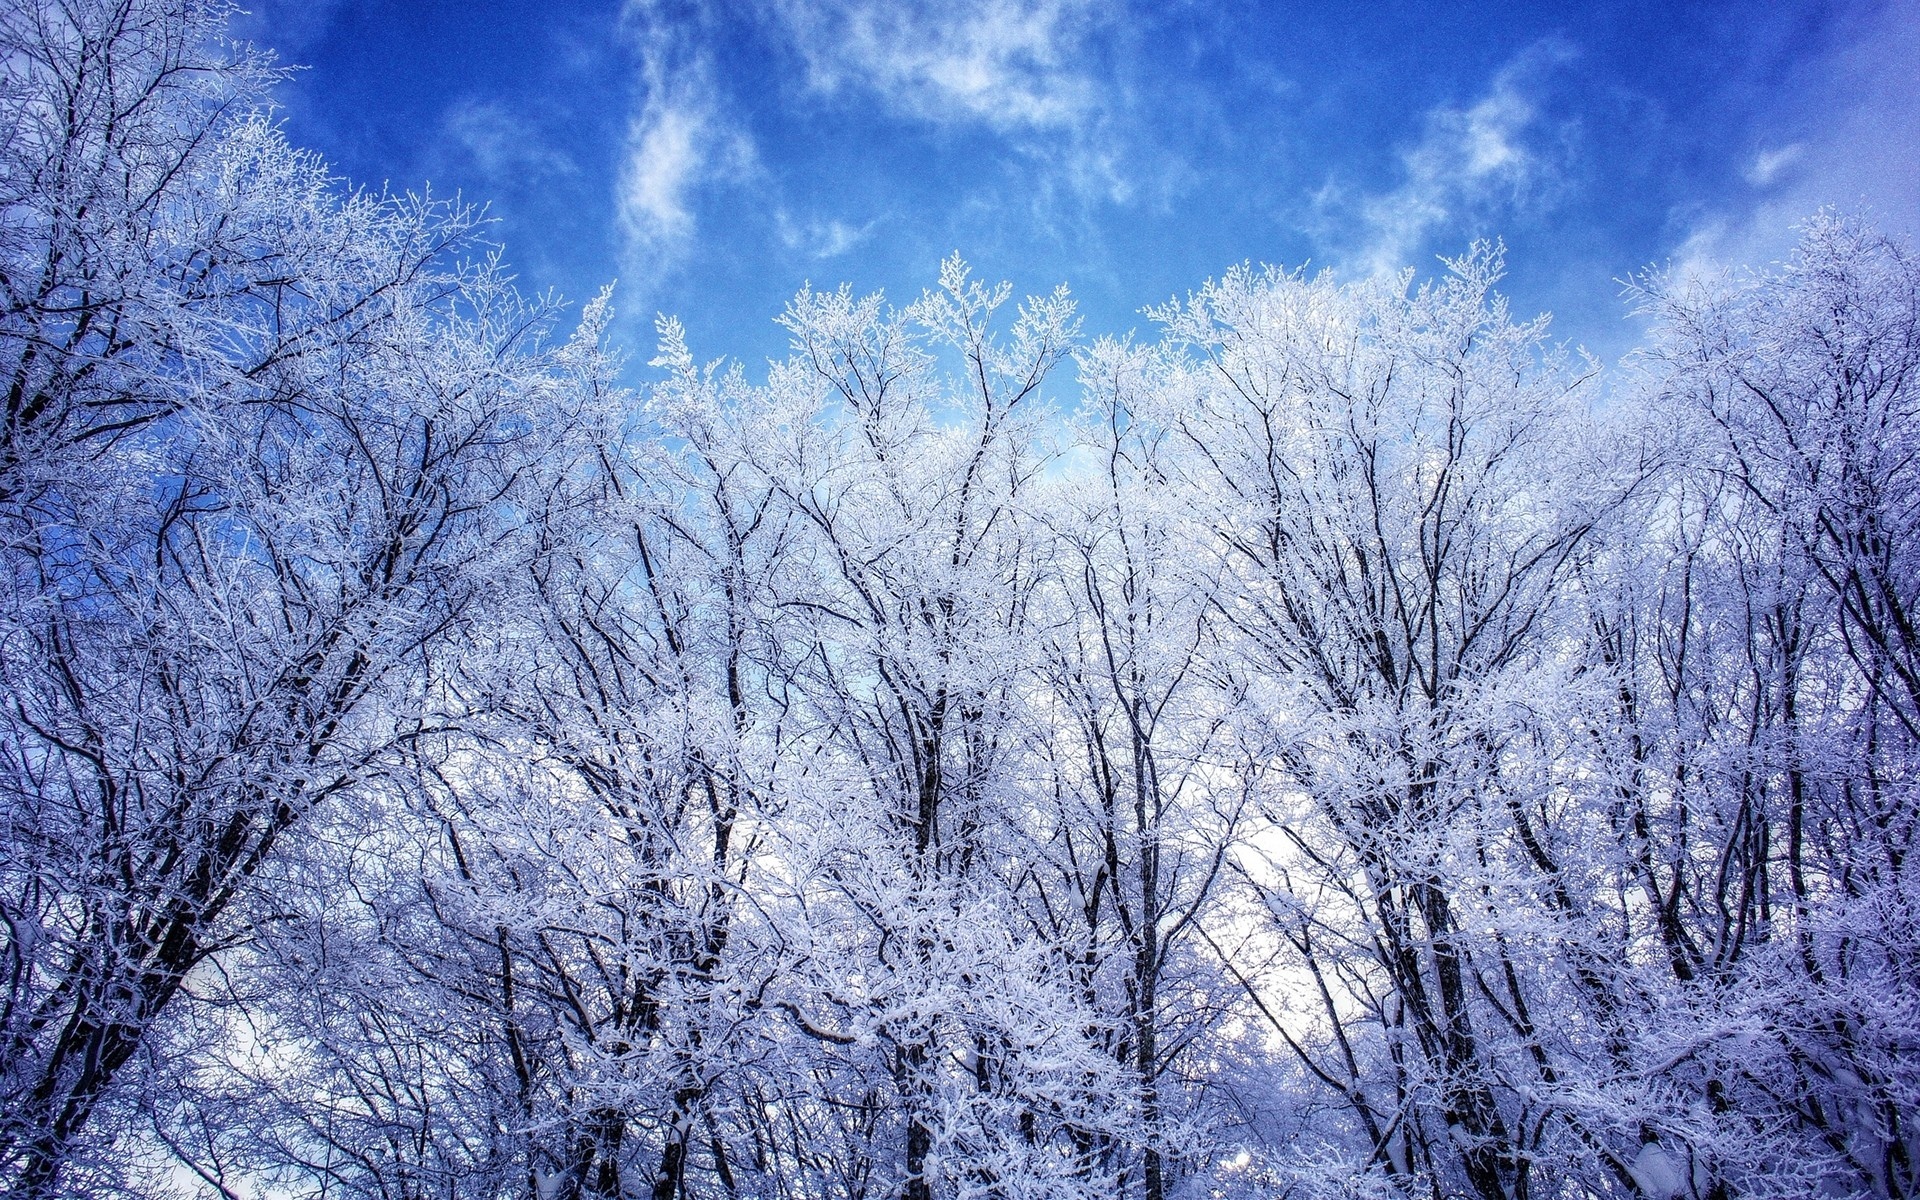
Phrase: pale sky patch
(1861, 113)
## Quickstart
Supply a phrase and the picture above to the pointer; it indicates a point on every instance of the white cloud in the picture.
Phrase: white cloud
(680, 139)
(1022, 70)
(1466, 161)
(1038, 73)
(1014, 65)
(667, 153)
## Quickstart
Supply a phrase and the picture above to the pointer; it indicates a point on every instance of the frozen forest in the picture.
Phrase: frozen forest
(1342, 742)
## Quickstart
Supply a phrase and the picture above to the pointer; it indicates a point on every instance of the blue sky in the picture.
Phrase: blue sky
(714, 156)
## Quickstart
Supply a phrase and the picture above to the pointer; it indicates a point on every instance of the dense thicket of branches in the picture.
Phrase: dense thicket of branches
(1342, 746)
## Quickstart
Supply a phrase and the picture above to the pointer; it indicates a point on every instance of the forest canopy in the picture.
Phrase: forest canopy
(1340, 743)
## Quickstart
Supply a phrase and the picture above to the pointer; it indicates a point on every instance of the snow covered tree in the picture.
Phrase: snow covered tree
(1388, 480)
(266, 441)
(1771, 708)
(919, 576)
(1329, 761)
(1148, 781)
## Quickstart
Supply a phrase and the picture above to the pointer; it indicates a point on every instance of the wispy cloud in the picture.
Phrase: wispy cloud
(679, 139)
(667, 152)
(1038, 73)
(1468, 161)
(821, 239)
(1768, 165)
(290, 27)
(506, 146)
(1010, 64)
